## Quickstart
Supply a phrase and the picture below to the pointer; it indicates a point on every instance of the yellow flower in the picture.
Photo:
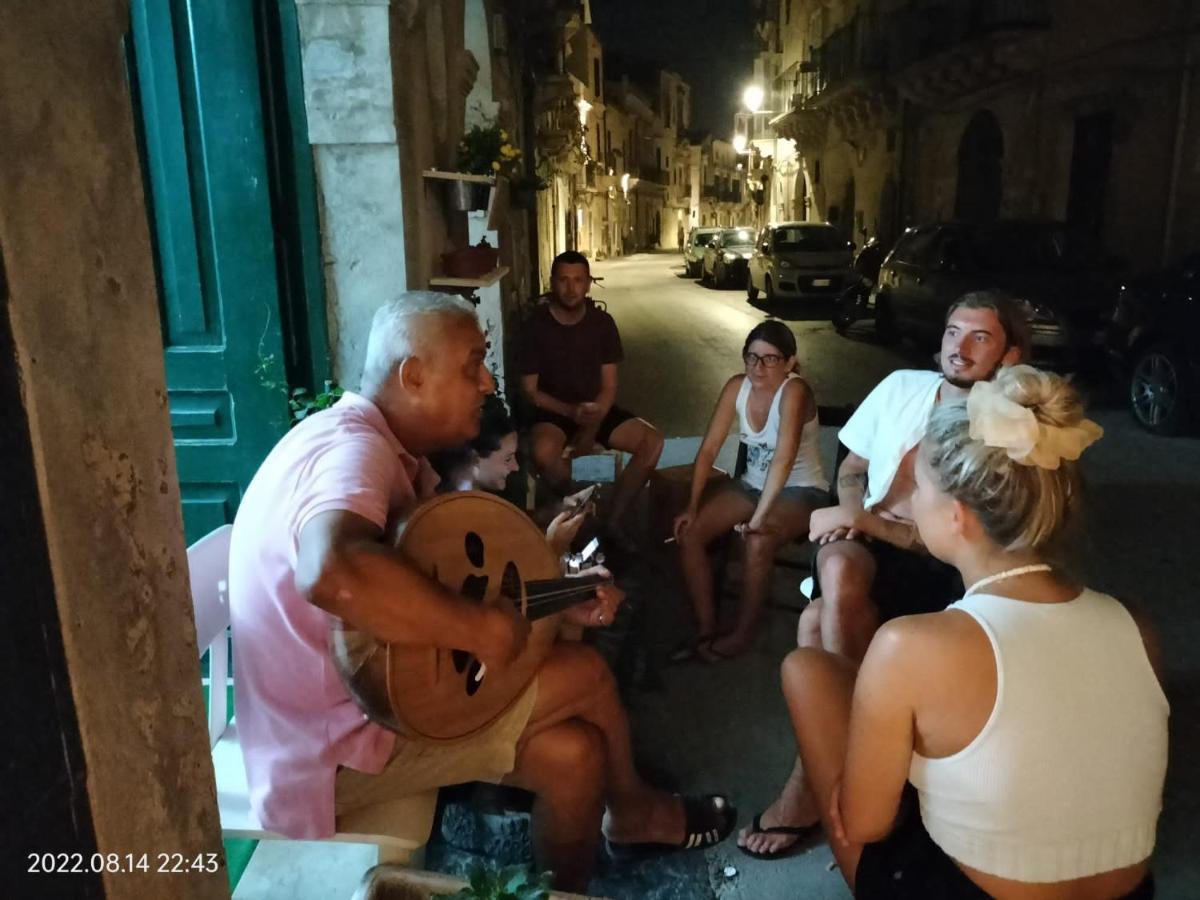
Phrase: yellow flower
(503, 135)
(495, 167)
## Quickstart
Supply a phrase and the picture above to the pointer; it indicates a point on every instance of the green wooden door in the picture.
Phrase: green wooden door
(230, 193)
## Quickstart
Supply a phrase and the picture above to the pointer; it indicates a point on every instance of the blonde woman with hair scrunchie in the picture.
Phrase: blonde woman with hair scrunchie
(1026, 719)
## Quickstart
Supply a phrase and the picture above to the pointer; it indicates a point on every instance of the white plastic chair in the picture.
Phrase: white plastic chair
(398, 828)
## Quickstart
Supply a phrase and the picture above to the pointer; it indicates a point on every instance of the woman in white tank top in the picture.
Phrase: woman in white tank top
(770, 504)
(1027, 717)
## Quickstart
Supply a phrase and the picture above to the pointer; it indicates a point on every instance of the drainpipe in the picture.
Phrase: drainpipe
(1185, 79)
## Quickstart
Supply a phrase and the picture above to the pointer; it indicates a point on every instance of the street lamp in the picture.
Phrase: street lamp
(739, 143)
(753, 97)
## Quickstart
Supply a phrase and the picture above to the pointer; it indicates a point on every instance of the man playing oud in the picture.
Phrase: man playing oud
(311, 547)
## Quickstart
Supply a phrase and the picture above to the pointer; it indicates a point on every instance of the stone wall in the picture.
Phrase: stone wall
(84, 317)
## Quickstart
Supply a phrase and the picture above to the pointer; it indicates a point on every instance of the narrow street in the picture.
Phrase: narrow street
(682, 340)
(724, 726)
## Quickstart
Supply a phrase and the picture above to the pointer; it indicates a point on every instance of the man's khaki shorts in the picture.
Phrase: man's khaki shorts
(416, 766)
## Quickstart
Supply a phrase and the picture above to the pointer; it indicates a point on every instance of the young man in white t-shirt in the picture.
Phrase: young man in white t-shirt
(871, 566)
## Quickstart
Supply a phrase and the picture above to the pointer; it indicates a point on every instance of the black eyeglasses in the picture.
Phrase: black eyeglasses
(770, 360)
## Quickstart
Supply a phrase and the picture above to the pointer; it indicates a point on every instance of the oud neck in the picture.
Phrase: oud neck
(553, 595)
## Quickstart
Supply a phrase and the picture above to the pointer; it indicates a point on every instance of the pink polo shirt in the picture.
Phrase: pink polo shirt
(296, 720)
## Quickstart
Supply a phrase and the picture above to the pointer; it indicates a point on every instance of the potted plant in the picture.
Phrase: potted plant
(485, 149)
(471, 262)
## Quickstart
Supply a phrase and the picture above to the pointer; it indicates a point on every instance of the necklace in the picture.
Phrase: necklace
(1007, 573)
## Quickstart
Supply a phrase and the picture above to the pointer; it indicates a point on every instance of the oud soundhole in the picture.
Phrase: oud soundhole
(510, 583)
(474, 587)
(474, 547)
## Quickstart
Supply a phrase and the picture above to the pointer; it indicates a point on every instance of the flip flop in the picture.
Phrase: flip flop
(708, 820)
(800, 832)
(687, 651)
(707, 653)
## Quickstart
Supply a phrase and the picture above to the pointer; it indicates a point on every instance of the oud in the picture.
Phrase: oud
(487, 550)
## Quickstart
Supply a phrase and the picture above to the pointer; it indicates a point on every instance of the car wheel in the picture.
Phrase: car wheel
(751, 290)
(885, 321)
(1158, 390)
(770, 289)
(719, 276)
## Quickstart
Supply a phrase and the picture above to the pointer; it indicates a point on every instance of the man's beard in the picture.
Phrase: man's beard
(966, 384)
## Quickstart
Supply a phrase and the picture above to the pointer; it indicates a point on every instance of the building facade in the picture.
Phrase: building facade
(910, 112)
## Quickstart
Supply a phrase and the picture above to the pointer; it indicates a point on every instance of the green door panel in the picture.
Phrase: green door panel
(232, 201)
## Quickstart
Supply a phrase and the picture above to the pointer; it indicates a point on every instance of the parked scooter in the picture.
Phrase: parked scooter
(852, 304)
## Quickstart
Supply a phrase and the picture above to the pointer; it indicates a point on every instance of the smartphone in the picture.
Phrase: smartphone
(586, 498)
(589, 551)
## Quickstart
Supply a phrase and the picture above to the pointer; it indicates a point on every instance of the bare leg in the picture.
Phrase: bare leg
(563, 765)
(848, 616)
(787, 521)
(717, 515)
(645, 442)
(819, 687)
(795, 804)
(846, 571)
(546, 447)
(576, 685)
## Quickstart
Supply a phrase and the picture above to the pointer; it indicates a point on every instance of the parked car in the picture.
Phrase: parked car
(693, 249)
(1152, 344)
(800, 260)
(1065, 278)
(727, 256)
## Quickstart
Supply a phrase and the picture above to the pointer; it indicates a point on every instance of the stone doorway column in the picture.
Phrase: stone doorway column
(346, 51)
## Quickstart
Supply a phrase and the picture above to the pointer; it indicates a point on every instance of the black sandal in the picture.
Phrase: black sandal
(708, 820)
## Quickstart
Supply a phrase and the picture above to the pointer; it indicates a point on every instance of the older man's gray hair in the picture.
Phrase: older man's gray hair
(392, 338)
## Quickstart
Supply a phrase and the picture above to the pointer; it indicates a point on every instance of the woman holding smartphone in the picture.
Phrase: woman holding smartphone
(486, 462)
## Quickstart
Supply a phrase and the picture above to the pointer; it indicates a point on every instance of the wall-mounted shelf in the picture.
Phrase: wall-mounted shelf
(458, 176)
(482, 281)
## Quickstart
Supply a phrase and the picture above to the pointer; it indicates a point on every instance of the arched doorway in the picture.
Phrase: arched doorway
(980, 157)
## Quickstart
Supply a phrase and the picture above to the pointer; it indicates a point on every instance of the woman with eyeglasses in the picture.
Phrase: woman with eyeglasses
(769, 505)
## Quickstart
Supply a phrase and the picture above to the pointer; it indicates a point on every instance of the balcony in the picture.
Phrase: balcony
(951, 50)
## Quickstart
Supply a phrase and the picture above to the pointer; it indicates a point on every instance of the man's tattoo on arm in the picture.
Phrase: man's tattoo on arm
(858, 479)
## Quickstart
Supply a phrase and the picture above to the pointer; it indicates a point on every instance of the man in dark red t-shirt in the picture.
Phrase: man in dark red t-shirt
(568, 366)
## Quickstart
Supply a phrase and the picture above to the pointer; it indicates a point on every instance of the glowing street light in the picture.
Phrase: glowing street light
(752, 97)
(739, 143)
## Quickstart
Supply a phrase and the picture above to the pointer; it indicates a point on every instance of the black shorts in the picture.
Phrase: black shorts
(615, 418)
(908, 583)
(908, 865)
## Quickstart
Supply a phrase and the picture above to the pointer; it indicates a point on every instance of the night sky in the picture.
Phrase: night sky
(711, 44)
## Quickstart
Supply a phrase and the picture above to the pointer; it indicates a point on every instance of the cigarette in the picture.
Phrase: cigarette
(669, 540)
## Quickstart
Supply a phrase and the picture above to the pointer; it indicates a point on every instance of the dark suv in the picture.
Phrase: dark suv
(1153, 344)
(1066, 280)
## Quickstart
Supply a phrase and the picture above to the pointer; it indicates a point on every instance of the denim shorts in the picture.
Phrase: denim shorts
(812, 497)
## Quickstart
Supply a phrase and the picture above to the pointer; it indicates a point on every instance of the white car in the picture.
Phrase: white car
(801, 260)
(693, 250)
(726, 258)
